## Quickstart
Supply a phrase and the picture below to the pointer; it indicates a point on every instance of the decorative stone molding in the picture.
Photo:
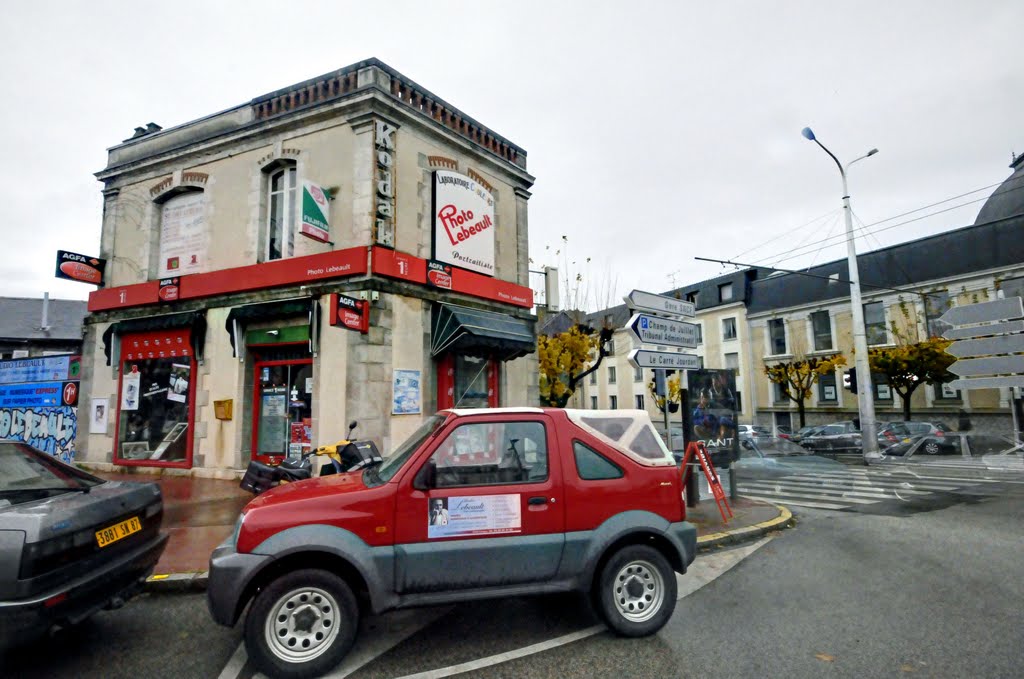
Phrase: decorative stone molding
(480, 180)
(179, 182)
(441, 161)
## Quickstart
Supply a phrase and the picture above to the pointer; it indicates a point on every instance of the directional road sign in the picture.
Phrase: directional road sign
(641, 358)
(660, 304)
(990, 365)
(999, 310)
(669, 333)
(987, 346)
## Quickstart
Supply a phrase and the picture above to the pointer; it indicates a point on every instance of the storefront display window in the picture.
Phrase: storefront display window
(156, 396)
(283, 406)
(467, 382)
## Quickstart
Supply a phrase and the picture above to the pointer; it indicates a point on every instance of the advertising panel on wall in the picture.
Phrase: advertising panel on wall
(315, 221)
(184, 237)
(82, 268)
(38, 399)
(711, 398)
(463, 222)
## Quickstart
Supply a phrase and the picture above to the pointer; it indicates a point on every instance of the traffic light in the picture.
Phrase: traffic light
(850, 380)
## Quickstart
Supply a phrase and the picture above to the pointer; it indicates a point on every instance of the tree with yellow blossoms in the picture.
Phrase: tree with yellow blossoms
(563, 361)
(909, 365)
(798, 377)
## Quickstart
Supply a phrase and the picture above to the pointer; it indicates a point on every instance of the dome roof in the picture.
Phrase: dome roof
(1008, 199)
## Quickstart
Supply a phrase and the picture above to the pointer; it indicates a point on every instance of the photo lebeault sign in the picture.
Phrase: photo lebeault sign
(315, 210)
(463, 222)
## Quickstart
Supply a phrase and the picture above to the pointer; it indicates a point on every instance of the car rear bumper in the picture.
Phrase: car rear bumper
(73, 601)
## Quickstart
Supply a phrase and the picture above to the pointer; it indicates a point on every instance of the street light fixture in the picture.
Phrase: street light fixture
(865, 394)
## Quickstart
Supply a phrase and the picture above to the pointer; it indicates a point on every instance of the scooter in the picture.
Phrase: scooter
(344, 456)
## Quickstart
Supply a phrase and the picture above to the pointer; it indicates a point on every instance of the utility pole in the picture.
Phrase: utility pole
(866, 390)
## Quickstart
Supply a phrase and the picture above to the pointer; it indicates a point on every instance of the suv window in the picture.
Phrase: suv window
(592, 466)
(487, 453)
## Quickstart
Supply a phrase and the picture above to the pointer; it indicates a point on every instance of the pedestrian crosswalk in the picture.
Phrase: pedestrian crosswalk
(852, 487)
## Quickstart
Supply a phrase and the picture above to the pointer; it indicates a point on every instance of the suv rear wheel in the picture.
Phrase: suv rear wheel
(302, 624)
(636, 591)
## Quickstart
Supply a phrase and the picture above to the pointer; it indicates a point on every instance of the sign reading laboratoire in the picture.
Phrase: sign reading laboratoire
(82, 268)
(660, 304)
(463, 222)
(315, 212)
(990, 355)
(664, 360)
(184, 237)
(449, 517)
(656, 330)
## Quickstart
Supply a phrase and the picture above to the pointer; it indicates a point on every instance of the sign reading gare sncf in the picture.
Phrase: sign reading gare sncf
(463, 223)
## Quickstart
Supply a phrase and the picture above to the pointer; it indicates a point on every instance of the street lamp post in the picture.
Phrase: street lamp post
(865, 391)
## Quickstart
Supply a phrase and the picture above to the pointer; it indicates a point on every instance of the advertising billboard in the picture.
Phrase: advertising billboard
(712, 405)
(463, 222)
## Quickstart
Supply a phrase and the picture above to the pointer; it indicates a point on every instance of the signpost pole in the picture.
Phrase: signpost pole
(692, 482)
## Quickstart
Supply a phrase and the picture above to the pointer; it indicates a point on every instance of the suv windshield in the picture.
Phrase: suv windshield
(27, 474)
(387, 470)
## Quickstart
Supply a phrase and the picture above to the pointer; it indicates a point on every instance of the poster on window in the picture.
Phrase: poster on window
(131, 383)
(449, 517)
(406, 397)
(463, 222)
(184, 237)
(177, 388)
(315, 221)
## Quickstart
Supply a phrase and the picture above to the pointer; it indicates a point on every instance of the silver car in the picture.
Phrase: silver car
(70, 543)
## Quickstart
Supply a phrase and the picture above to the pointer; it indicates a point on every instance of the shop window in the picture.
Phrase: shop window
(821, 326)
(874, 323)
(492, 452)
(592, 466)
(467, 382)
(283, 403)
(155, 407)
(728, 328)
(281, 209)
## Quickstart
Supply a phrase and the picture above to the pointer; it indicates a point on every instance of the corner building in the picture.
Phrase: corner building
(349, 248)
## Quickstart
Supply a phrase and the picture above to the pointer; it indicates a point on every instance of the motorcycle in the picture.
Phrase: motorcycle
(345, 456)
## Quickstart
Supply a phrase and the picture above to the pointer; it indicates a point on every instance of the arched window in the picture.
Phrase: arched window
(281, 195)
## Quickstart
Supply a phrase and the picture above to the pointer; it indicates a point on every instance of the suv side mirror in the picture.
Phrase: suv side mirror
(426, 477)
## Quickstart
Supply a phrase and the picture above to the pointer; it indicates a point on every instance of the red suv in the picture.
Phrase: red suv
(476, 504)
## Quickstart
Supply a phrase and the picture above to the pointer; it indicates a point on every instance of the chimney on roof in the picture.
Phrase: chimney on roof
(152, 127)
(45, 325)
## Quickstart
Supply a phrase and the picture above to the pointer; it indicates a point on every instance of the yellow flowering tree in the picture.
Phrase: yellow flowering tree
(909, 365)
(563, 359)
(798, 377)
(674, 396)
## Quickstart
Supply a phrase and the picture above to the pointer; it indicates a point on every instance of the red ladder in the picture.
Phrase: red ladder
(698, 450)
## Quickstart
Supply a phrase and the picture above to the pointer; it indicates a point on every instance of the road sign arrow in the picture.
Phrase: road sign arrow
(641, 358)
(660, 304)
(984, 330)
(986, 346)
(999, 310)
(993, 365)
(988, 382)
(654, 330)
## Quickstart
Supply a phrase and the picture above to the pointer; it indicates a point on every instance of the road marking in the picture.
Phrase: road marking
(796, 503)
(371, 645)
(823, 492)
(704, 570)
(235, 665)
(836, 484)
(784, 496)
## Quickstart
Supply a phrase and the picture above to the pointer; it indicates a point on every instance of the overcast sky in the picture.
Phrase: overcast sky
(657, 131)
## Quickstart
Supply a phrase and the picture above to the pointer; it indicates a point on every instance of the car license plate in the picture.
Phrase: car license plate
(117, 531)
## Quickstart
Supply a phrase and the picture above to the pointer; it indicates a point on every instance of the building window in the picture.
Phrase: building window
(691, 297)
(883, 392)
(611, 347)
(725, 292)
(936, 304)
(827, 391)
(281, 192)
(821, 326)
(1012, 287)
(638, 374)
(732, 361)
(739, 401)
(779, 393)
(184, 235)
(947, 392)
(613, 402)
(776, 337)
(639, 401)
(593, 403)
(728, 328)
(593, 377)
(700, 333)
(874, 323)
(611, 374)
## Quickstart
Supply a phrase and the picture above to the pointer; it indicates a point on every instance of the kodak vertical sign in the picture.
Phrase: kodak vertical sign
(350, 313)
(463, 223)
(384, 186)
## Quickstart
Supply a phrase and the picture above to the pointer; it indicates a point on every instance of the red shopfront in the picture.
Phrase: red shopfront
(156, 388)
(469, 346)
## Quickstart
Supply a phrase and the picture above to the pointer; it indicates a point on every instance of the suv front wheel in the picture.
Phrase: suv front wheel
(302, 624)
(636, 591)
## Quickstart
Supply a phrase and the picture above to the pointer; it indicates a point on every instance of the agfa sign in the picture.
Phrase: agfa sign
(463, 222)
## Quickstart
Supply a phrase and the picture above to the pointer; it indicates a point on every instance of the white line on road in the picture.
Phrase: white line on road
(796, 503)
(830, 484)
(701, 572)
(235, 665)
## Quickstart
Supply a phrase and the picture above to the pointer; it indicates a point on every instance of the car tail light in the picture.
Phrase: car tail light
(938, 433)
(55, 600)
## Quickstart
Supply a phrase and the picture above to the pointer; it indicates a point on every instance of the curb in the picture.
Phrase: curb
(731, 537)
(160, 583)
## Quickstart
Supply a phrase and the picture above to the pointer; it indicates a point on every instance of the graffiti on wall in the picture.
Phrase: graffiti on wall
(51, 429)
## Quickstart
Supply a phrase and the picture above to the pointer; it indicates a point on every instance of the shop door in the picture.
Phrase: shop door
(467, 382)
(283, 409)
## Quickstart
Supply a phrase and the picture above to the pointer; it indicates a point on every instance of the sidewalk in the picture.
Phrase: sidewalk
(199, 513)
